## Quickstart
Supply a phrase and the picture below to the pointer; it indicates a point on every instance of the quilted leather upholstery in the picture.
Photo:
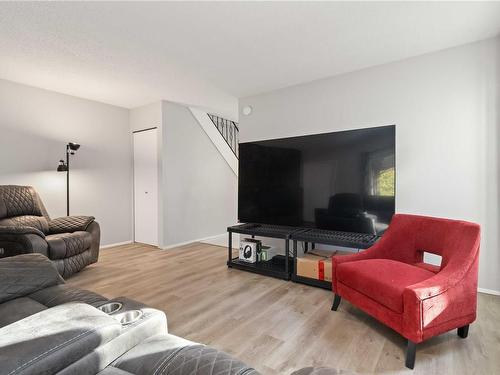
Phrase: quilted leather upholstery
(72, 242)
(71, 265)
(19, 200)
(201, 359)
(66, 245)
(70, 224)
(20, 230)
(38, 222)
(171, 355)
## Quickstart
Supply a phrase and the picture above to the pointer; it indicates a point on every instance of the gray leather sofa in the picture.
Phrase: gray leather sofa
(71, 242)
(48, 327)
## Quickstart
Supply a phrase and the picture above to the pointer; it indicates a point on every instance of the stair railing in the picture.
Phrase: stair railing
(229, 131)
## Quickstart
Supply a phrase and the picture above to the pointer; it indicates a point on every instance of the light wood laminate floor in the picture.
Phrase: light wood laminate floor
(278, 326)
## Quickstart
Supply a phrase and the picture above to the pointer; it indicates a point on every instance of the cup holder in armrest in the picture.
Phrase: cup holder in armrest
(128, 317)
(111, 307)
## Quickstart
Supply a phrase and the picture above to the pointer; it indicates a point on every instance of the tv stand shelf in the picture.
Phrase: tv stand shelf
(264, 230)
(295, 234)
(267, 268)
(263, 268)
(336, 238)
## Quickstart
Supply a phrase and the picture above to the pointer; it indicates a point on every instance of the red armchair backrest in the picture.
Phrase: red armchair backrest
(409, 236)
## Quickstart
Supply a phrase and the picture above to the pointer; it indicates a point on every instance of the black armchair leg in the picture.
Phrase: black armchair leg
(336, 302)
(463, 332)
(411, 350)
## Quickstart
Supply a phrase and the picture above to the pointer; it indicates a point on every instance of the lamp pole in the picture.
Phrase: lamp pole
(67, 179)
(71, 148)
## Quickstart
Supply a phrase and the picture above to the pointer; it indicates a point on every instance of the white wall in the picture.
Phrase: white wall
(35, 126)
(147, 116)
(446, 107)
(199, 187)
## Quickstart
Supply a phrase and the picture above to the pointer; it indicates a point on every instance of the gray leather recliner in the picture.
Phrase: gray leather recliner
(48, 327)
(71, 242)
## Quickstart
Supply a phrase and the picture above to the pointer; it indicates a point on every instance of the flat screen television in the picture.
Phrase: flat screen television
(342, 181)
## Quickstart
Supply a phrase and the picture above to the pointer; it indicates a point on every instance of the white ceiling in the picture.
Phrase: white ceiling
(210, 53)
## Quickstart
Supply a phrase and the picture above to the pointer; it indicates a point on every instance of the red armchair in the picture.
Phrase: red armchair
(391, 282)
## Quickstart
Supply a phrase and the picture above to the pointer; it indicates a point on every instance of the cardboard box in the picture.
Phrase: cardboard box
(322, 253)
(315, 267)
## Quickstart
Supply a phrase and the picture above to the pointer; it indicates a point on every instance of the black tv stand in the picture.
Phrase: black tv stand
(262, 230)
(295, 234)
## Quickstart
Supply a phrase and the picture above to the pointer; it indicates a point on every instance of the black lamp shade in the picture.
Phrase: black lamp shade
(62, 167)
(73, 146)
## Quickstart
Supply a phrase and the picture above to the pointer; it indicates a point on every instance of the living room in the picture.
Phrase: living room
(295, 187)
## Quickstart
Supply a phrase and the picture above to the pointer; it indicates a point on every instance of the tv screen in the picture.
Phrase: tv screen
(341, 181)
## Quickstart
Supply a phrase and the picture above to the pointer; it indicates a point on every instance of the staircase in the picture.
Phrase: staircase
(223, 133)
(229, 131)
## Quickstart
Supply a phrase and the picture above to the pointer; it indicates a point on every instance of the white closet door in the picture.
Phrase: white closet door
(146, 186)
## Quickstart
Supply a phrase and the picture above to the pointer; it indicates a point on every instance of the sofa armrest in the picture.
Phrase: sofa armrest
(19, 230)
(49, 341)
(16, 240)
(68, 224)
(25, 274)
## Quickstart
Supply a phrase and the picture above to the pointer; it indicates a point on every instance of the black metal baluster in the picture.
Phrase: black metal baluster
(228, 130)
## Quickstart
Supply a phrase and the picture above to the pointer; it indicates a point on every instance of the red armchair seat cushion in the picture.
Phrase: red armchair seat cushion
(382, 280)
(428, 267)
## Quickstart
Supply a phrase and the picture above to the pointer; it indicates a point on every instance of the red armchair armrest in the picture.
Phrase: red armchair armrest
(439, 304)
(446, 300)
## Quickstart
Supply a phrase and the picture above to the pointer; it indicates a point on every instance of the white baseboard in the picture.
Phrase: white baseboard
(218, 240)
(221, 240)
(489, 291)
(177, 244)
(116, 244)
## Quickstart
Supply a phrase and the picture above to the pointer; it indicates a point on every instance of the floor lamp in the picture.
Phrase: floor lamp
(71, 148)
